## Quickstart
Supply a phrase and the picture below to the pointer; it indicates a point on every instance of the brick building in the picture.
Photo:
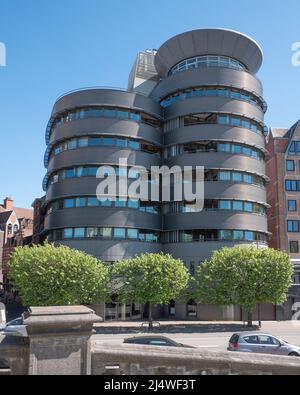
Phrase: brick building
(283, 169)
(16, 226)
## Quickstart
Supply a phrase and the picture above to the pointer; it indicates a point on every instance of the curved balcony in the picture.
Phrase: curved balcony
(116, 127)
(107, 97)
(210, 76)
(214, 104)
(220, 160)
(219, 133)
(101, 155)
(228, 190)
(216, 220)
(113, 250)
(100, 216)
(204, 250)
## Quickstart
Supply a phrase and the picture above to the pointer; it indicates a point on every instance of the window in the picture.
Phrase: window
(293, 226)
(292, 205)
(237, 177)
(68, 233)
(108, 141)
(132, 234)
(225, 205)
(93, 202)
(235, 121)
(224, 147)
(121, 143)
(135, 145)
(119, 233)
(72, 144)
(80, 202)
(92, 232)
(251, 339)
(225, 235)
(292, 150)
(94, 142)
(133, 204)
(70, 173)
(79, 233)
(69, 203)
(294, 247)
(106, 233)
(83, 142)
(238, 235)
(224, 176)
(248, 207)
(223, 119)
(290, 165)
(121, 203)
(248, 178)
(237, 206)
(291, 185)
(249, 236)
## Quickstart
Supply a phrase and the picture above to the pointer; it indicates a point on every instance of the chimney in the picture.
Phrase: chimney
(8, 204)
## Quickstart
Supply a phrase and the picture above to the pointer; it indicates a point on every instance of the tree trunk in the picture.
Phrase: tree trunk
(259, 315)
(250, 319)
(150, 317)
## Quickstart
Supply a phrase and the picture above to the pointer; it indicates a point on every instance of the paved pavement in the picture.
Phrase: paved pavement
(212, 336)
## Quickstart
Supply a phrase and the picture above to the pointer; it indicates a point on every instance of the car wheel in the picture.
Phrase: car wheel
(293, 354)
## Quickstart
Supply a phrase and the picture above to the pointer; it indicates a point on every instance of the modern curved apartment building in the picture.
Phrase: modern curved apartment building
(194, 102)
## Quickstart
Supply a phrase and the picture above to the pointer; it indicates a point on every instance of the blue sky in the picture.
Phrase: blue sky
(59, 45)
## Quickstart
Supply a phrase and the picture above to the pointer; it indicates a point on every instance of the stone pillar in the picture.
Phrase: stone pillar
(59, 340)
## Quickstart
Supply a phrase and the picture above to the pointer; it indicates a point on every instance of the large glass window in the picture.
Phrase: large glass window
(291, 185)
(69, 203)
(237, 206)
(92, 232)
(119, 233)
(79, 233)
(225, 205)
(68, 233)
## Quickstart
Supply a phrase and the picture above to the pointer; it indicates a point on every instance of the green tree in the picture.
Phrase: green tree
(245, 277)
(149, 278)
(48, 275)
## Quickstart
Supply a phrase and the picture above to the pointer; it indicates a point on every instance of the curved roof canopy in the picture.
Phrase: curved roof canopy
(209, 42)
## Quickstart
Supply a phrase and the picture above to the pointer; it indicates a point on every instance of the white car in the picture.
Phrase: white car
(14, 328)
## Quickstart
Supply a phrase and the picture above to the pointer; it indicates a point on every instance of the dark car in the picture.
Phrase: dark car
(161, 341)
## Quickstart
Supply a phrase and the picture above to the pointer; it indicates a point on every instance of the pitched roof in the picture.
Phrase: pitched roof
(23, 212)
(280, 133)
(4, 216)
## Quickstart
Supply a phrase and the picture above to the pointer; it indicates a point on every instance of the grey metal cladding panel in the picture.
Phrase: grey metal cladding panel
(113, 250)
(214, 104)
(198, 251)
(216, 220)
(209, 76)
(214, 132)
(220, 160)
(102, 155)
(208, 42)
(85, 186)
(98, 97)
(227, 190)
(106, 126)
(100, 216)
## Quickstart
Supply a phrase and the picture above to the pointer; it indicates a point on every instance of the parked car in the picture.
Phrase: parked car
(161, 341)
(262, 343)
(14, 328)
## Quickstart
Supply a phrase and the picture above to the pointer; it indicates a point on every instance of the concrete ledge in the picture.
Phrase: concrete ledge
(146, 360)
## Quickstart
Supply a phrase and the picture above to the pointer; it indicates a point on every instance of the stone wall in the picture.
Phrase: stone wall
(14, 356)
(146, 360)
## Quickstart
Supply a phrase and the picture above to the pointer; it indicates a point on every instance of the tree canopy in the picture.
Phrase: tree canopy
(244, 276)
(48, 275)
(149, 278)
